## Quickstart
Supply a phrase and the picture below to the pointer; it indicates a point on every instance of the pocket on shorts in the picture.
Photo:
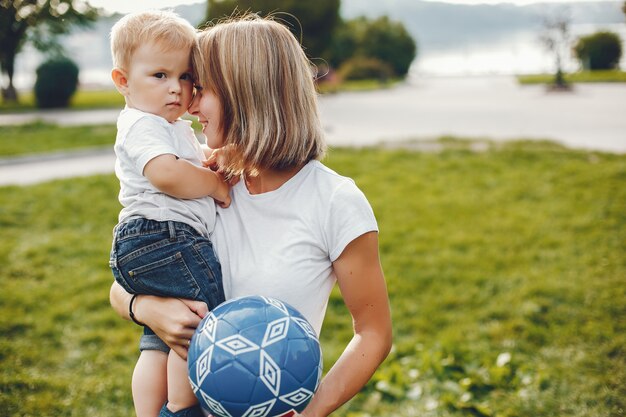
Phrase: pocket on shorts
(165, 275)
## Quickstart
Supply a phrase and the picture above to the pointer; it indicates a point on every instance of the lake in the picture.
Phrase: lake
(515, 52)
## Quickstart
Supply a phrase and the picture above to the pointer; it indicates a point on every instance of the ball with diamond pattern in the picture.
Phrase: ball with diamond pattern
(254, 357)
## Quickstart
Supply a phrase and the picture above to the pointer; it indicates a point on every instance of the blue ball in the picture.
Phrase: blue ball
(254, 357)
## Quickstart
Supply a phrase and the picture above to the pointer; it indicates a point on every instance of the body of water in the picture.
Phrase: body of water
(515, 52)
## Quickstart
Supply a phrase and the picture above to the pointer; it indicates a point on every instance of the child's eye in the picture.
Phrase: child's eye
(159, 75)
(186, 77)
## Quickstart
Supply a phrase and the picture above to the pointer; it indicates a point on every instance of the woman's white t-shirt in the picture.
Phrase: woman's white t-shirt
(282, 243)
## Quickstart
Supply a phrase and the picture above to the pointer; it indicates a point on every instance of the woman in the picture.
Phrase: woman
(294, 227)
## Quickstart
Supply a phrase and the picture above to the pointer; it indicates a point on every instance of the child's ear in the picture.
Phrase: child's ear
(120, 80)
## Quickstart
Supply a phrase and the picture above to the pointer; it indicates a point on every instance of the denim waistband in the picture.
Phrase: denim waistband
(139, 226)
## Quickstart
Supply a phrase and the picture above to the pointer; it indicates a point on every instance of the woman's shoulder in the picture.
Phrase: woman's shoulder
(333, 182)
(324, 174)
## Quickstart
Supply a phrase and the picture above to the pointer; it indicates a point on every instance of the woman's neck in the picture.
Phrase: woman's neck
(269, 180)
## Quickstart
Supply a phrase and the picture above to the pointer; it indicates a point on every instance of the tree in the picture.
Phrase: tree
(40, 22)
(313, 21)
(556, 38)
(599, 51)
(382, 39)
(389, 42)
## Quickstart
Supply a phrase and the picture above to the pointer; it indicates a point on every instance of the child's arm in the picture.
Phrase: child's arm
(182, 179)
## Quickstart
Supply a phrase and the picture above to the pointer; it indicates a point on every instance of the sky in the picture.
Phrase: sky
(127, 6)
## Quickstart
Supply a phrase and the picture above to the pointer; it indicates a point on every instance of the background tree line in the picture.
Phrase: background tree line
(358, 48)
(369, 49)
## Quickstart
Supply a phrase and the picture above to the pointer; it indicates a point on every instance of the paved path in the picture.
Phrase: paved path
(497, 108)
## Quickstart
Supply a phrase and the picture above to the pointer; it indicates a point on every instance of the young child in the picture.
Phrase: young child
(161, 245)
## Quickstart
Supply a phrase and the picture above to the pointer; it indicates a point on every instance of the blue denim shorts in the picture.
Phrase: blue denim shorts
(168, 259)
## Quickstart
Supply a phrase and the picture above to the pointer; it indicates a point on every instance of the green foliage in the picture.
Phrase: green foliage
(504, 268)
(83, 99)
(57, 81)
(599, 51)
(389, 42)
(363, 68)
(311, 22)
(39, 21)
(380, 39)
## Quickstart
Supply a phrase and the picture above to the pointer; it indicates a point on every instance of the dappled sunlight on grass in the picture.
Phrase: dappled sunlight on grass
(505, 270)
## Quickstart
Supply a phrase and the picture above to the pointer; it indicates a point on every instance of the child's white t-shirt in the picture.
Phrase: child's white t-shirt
(140, 138)
(282, 243)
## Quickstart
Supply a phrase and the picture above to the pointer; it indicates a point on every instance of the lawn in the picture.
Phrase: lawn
(43, 137)
(85, 99)
(39, 137)
(505, 268)
(612, 76)
(81, 100)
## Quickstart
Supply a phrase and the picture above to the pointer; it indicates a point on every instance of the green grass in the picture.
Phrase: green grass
(110, 98)
(505, 268)
(576, 77)
(82, 100)
(39, 137)
(43, 137)
(356, 85)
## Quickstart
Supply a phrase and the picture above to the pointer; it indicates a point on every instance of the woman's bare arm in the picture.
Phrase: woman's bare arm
(362, 284)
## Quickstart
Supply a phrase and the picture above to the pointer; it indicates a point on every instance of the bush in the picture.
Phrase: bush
(363, 68)
(390, 42)
(57, 80)
(600, 51)
(381, 39)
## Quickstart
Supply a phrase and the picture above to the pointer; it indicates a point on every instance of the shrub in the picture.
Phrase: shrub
(57, 80)
(599, 51)
(381, 39)
(363, 68)
(390, 42)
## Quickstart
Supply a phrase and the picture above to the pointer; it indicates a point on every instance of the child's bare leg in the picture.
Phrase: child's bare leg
(150, 383)
(179, 392)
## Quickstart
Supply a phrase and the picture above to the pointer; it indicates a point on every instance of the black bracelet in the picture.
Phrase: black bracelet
(130, 310)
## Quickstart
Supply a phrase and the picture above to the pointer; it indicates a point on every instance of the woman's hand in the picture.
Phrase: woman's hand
(173, 320)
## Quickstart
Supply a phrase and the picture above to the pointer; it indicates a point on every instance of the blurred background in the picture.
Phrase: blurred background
(462, 38)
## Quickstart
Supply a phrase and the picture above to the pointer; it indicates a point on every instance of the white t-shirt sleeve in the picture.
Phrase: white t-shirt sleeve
(350, 216)
(146, 140)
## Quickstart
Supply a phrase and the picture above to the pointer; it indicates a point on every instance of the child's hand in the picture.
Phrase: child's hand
(216, 160)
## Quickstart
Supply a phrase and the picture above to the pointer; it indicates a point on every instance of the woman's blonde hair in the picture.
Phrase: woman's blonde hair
(264, 82)
(164, 28)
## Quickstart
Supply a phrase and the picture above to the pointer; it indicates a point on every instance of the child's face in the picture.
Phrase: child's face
(208, 109)
(160, 82)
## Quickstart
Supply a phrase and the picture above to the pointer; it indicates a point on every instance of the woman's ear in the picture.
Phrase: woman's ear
(120, 80)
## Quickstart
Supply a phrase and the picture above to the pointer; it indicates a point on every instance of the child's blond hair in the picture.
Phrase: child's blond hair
(165, 28)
